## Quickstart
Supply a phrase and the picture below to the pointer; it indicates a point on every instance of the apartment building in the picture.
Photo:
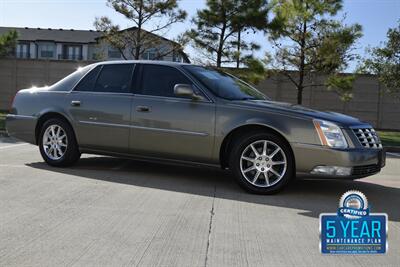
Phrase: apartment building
(70, 44)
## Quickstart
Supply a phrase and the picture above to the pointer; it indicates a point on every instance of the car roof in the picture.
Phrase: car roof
(154, 62)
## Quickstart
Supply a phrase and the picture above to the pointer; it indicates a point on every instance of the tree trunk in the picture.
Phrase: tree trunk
(221, 41)
(139, 32)
(300, 86)
(220, 47)
(238, 49)
(300, 95)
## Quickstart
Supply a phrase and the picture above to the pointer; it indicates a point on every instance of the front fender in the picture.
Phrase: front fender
(294, 129)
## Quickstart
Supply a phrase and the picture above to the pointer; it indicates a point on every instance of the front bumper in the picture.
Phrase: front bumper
(364, 162)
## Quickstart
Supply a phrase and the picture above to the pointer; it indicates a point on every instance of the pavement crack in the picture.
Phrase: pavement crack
(212, 213)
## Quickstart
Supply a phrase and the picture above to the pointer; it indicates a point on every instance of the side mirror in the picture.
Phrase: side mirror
(186, 90)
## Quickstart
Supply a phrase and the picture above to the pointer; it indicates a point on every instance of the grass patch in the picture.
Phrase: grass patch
(389, 138)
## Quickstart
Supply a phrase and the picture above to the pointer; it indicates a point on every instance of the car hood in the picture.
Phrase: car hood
(298, 110)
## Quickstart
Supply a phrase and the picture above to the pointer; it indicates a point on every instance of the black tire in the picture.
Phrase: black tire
(241, 143)
(71, 154)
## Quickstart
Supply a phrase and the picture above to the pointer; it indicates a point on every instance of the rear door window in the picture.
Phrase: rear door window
(113, 78)
(88, 82)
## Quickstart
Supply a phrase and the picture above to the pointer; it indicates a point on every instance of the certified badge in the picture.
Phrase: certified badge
(353, 229)
(353, 205)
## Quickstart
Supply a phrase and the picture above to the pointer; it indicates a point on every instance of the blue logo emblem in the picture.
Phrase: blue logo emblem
(353, 229)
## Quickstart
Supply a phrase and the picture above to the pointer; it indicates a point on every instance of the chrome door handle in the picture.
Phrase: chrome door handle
(75, 103)
(142, 109)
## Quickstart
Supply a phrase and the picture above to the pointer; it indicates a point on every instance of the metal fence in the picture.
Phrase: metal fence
(369, 102)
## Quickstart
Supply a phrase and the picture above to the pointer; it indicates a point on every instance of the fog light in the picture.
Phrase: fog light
(332, 170)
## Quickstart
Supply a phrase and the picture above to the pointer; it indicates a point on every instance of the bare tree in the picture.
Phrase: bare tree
(135, 41)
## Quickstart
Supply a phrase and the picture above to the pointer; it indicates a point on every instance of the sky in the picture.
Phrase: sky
(376, 16)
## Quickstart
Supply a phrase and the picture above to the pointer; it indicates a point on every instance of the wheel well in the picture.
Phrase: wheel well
(46, 117)
(226, 146)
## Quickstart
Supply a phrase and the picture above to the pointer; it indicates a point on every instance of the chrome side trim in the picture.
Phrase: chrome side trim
(106, 124)
(169, 130)
(145, 128)
(20, 116)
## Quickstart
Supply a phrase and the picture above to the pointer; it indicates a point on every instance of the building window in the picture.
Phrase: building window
(46, 50)
(72, 52)
(113, 53)
(176, 57)
(22, 50)
(151, 54)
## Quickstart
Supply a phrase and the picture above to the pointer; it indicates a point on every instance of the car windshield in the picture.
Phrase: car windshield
(224, 85)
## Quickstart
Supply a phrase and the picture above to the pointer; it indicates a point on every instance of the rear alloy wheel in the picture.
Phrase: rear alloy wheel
(262, 163)
(57, 143)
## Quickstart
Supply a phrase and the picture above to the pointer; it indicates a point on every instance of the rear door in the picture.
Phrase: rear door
(164, 125)
(101, 108)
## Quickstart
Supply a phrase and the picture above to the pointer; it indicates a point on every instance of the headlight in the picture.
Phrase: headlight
(330, 134)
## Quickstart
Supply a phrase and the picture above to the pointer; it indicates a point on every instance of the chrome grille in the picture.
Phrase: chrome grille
(367, 137)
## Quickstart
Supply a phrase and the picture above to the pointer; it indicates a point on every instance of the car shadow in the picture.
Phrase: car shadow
(312, 197)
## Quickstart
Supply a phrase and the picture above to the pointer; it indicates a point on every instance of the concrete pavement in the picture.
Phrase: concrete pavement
(111, 212)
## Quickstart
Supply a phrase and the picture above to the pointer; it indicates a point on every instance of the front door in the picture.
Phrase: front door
(164, 125)
(100, 106)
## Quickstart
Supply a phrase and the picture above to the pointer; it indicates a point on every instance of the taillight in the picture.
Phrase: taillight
(11, 103)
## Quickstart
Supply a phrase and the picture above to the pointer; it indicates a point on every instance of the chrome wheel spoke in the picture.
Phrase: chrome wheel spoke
(264, 152)
(275, 152)
(256, 176)
(250, 169)
(55, 153)
(278, 162)
(274, 172)
(248, 159)
(266, 178)
(254, 150)
(52, 131)
(58, 132)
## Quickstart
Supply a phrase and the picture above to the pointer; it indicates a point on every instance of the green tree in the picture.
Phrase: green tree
(252, 17)
(253, 71)
(150, 19)
(385, 61)
(219, 27)
(308, 43)
(8, 42)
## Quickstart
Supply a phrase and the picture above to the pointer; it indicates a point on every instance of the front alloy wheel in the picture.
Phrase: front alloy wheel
(261, 162)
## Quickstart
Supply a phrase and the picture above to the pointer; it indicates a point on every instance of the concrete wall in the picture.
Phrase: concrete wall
(368, 104)
(16, 74)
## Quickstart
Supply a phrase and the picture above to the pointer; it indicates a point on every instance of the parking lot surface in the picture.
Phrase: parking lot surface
(106, 211)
